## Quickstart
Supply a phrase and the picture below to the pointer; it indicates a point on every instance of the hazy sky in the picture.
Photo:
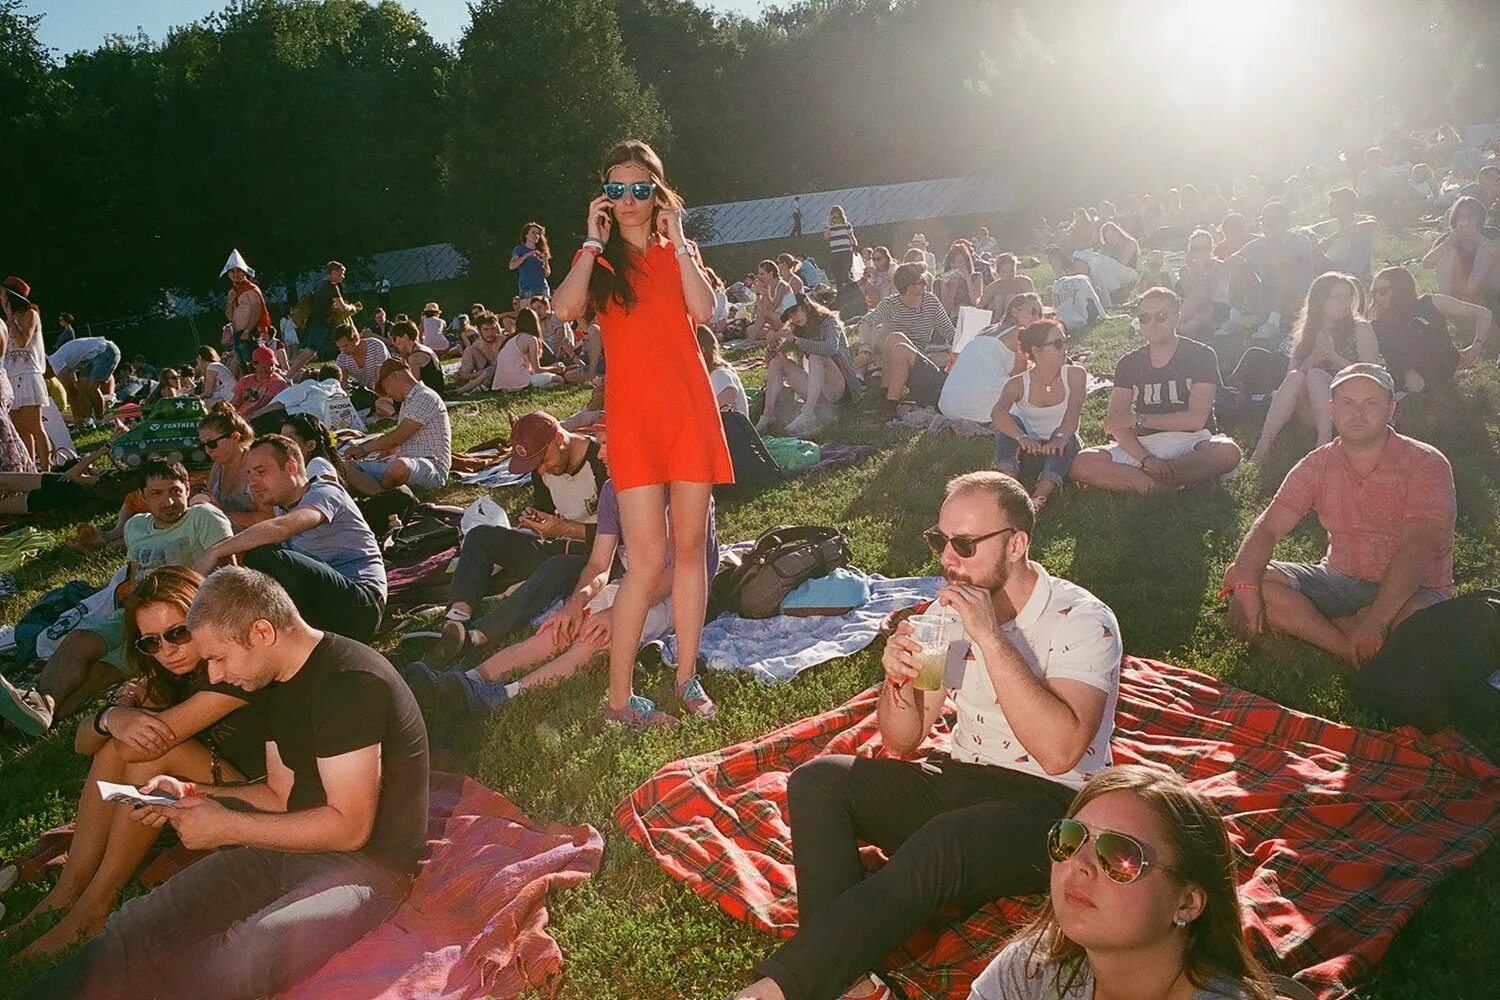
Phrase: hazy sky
(70, 25)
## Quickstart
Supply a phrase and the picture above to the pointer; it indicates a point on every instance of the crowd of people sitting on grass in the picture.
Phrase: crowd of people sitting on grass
(232, 645)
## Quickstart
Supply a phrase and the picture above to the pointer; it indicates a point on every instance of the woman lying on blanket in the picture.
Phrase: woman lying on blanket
(575, 635)
(1143, 902)
(169, 720)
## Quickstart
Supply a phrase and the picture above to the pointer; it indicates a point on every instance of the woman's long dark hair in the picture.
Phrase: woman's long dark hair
(611, 285)
(1404, 296)
(174, 586)
(1201, 855)
(541, 240)
(308, 427)
(817, 314)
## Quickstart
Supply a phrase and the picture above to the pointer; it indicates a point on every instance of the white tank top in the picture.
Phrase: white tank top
(1040, 421)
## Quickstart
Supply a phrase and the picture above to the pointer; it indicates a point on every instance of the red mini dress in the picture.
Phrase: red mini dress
(661, 419)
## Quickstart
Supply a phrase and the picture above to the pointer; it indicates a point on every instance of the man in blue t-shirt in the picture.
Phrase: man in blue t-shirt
(318, 546)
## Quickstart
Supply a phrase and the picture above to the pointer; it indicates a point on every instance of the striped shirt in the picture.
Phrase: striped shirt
(927, 326)
(435, 439)
(375, 356)
(840, 237)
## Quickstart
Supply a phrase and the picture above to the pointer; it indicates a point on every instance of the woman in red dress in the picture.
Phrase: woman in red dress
(645, 282)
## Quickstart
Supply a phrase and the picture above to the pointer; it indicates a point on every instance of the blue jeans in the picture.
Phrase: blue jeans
(1008, 458)
(490, 551)
(554, 578)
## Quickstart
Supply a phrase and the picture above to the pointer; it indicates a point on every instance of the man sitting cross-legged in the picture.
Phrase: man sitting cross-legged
(1161, 412)
(1387, 503)
(313, 857)
(1035, 692)
(91, 658)
(318, 546)
(574, 636)
(418, 451)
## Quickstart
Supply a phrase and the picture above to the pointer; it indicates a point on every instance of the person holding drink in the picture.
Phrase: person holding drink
(1034, 670)
(643, 279)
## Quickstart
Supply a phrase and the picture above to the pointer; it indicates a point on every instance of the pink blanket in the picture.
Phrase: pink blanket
(475, 923)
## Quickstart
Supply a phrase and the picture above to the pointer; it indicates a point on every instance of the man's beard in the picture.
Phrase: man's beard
(993, 582)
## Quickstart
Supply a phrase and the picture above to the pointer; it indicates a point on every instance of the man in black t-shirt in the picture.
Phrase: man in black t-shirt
(1161, 412)
(312, 857)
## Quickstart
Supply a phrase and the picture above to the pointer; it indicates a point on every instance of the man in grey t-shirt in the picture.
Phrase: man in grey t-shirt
(318, 545)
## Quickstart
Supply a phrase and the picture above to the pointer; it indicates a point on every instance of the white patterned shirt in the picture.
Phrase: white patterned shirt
(1063, 633)
(435, 439)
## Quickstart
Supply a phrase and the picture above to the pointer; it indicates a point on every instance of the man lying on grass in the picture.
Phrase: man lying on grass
(1036, 692)
(1388, 505)
(316, 855)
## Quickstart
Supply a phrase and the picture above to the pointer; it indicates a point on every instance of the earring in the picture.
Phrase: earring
(1179, 921)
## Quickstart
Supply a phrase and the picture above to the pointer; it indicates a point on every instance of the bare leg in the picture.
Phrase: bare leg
(396, 474)
(776, 377)
(643, 519)
(1320, 398)
(127, 844)
(1094, 467)
(66, 677)
(1289, 612)
(28, 421)
(573, 659)
(898, 356)
(1208, 461)
(814, 379)
(1283, 406)
(528, 652)
(689, 537)
(360, 482)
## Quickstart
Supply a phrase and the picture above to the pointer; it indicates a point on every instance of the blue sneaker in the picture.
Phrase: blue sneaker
(639, 714)
(696, 700)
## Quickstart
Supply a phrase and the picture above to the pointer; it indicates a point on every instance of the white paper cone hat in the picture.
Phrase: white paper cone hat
(236, 259)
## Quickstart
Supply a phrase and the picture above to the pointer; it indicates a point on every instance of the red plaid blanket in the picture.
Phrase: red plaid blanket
(1341, 832)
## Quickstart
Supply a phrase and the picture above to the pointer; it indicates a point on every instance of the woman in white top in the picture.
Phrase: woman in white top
(316, 443)
(434, 327)
(1143, 902)
(982, 367)
(218, 380)
(25, 363)
(729, 391)
(1038, 410)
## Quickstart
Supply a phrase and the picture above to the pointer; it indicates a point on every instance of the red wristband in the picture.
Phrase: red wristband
(189, 790)
(1234, 588)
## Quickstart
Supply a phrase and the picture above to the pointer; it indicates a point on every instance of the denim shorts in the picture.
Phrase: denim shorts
(1335, 594)
(103, 364)
(425, 473)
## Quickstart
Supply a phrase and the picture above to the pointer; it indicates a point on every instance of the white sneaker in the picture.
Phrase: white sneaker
(1268, 331)
(799, 427)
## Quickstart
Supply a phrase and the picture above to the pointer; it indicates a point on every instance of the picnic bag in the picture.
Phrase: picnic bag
(781, 560)
(419, 536)
(302, 311)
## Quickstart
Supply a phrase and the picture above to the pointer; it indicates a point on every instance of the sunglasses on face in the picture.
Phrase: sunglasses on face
(214, 442)
(1121, 858)
(177, 635)
(640, 190)
(1160, 316)
(1059, 343)
(964, 545)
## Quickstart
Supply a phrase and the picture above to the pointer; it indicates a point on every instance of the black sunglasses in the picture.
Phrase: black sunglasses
(214, 442)
(640, 190)
(1120, 857)
(1059, 343)
(177, 635)
(1160, 316)
(962, 544)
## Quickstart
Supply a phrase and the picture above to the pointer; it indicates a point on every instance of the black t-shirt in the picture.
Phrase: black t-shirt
(347, 697)
(1156, 391)
(240, 737)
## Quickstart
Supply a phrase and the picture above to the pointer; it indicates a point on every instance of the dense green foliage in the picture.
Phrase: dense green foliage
(300, 130)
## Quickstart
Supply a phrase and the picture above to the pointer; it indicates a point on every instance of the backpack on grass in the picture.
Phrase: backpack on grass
(754, 584)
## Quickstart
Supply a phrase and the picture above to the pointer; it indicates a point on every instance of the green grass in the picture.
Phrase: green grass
(632, 932)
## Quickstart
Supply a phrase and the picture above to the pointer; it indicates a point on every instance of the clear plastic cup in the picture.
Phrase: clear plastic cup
(935, 634)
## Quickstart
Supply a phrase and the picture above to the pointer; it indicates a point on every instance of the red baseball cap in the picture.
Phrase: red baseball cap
(529, 440)
(263, 356)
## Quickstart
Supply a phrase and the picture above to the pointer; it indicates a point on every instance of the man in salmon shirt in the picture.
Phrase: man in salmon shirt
(1388, 505)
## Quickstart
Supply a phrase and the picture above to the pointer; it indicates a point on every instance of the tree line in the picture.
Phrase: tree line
(300, 130)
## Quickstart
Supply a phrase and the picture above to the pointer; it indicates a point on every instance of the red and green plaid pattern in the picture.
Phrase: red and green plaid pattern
(1341, 832)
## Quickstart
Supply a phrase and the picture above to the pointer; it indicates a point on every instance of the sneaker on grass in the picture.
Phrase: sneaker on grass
(695, 700)
(639, 714)
(27, 709)
(452, 641)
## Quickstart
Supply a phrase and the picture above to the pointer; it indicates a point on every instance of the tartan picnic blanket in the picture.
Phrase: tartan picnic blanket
(1340, 833)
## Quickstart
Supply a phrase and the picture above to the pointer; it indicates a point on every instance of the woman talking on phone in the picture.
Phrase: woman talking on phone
(642, 277)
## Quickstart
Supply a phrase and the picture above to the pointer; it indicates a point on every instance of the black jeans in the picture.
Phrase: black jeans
(556, 577)
(514, 553)
(241, 923)
(953, 832)
(325, 598)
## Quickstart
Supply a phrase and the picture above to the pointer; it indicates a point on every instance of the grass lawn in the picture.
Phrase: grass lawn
(632, 932)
